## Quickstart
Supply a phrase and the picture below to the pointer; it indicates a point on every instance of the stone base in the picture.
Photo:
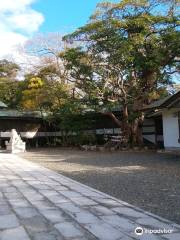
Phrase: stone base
(172, 149)
(93, 148)
(101, 149)
(16, 149)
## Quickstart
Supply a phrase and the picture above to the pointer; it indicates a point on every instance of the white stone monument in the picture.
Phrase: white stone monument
(15, 145)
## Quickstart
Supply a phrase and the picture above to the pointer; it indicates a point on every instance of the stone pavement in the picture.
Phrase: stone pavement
(39, 204)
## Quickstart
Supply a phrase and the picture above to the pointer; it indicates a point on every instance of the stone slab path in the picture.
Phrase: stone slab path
(39, 204)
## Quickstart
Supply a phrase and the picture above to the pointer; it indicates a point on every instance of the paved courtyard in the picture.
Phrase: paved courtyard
(39, 204)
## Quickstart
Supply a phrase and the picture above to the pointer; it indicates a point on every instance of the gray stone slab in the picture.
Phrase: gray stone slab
(48, 192)
(69, 207)
(149, 237)
(69, 230)
(153, 223)
(60, 188)
(19, 203)
(126, 238)
(25, 212)
(43, 204)
(18, 233)
(71, 194)
(54, 216)
(172, 236)
(2, 200)
(5, 209)
(47, 236)
(36, 224)
(83, 201)
(29, 192)
(8, 221)
(101, 210)
(34, 197)
(129, 212)
(58, 199)
(85, 217)
(108, 202)
(104, 231)
(124, 223)
(89, 193)
(13, 195)
(10, 190)
(41, 186)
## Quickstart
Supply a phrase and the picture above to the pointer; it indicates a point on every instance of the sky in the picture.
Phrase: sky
(64, 15)
(20, 20)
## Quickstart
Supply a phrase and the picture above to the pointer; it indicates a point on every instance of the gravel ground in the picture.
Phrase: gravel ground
(148, 180)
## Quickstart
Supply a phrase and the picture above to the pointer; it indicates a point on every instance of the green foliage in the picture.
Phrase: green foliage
(8, 70)
(130, 50)
(32, 95)
(130, 38)
(10, 88)
(35, 83)
(10, 92)
(43, 94)
(71, 117)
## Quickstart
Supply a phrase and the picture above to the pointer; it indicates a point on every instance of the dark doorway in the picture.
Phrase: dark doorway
(159, 132)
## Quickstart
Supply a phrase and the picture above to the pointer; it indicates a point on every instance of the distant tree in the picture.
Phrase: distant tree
(8, 70)
(47, 48)
(32, 94)
(10, 87)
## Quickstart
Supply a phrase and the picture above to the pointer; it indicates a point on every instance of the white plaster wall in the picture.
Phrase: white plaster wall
(171, 129)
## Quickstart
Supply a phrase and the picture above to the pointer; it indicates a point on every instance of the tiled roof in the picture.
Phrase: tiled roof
(19, 114)
(163, 102)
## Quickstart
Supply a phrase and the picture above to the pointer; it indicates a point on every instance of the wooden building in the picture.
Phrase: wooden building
(27, 124)
(165, 114)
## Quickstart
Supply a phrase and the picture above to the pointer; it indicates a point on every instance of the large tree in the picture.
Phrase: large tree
(129, 52)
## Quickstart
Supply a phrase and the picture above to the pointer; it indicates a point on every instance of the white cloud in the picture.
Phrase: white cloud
(28, 21)
(8, 42)
(18, 22)
(9, 5)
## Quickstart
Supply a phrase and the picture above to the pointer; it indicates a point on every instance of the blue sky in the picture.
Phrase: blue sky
(21, 20)
(64, 15)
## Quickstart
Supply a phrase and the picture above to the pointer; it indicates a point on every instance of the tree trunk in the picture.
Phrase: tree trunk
(140, 130)
(131, 131)
(137, 133)
(114, 118)
(134, 127)
(125, 123)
